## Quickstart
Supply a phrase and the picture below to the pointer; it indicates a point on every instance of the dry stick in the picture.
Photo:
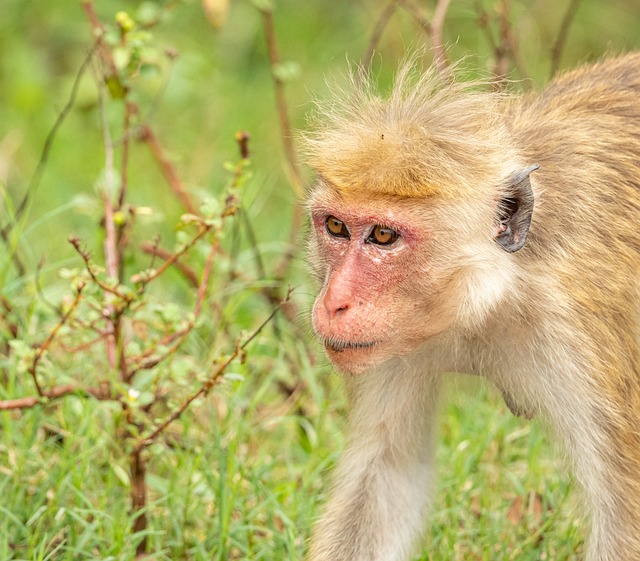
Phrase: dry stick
(204, 228)
(145, 134)
(86, 257)
(138, 497)
(437, 25)
(381, 23)
(182, 335)
(211, 381)
(98, 33)
(52, 334)
(8, 308)
(433, 30)
(418, 14)
(102, 393)
(165, 254)
(558, 46)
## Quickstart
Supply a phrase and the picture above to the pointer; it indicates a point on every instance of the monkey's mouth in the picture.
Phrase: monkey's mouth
(341, 346)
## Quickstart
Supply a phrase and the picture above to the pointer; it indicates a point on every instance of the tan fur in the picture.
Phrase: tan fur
(553, 325)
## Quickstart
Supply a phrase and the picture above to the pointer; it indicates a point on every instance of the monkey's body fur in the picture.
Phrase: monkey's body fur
(554, 325)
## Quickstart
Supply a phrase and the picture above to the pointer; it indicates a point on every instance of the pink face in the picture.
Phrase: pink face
(365, 256)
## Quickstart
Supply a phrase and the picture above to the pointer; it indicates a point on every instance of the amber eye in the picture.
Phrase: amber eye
(337, 228)
(382, 236)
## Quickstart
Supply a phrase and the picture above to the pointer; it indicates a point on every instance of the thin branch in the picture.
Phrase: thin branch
(86, 257)
(418, 14)
(180, 337)
(213, 379)
(381, 24)
(8, 308)
(561, 39)
(103, 49)
(437, 40)
(41, 349)
(164, 254)
(102, 393)
(173, 258)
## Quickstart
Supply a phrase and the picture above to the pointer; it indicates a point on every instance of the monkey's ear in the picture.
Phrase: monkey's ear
(515, 210)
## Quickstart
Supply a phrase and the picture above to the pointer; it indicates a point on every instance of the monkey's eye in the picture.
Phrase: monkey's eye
(337, 228)
(382, 236)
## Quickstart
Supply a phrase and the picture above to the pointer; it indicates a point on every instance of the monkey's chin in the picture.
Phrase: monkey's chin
(355, 359)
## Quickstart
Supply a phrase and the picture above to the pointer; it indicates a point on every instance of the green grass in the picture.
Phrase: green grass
(244, 473)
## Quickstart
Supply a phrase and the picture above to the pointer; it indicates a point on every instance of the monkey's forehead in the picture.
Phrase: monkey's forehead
(410, 162)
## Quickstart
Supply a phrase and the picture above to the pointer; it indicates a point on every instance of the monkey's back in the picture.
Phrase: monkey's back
(584, 131)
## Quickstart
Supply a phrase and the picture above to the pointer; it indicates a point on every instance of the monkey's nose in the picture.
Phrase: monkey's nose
(336, 310)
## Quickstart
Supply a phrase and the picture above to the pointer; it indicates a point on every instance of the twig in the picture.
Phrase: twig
(173, 258)
(561, 39)
(210, 382)
(183, 333)
(52, 334)
(103, 48)
(145, 134)
(437, 25)
(381, 23)
(102, 393)
(8, 308)
(164, 254)
(418, 14)
(86, 257)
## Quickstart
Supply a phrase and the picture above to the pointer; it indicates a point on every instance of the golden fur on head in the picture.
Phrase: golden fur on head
(429, 136)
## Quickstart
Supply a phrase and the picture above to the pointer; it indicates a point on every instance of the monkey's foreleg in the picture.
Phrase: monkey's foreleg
(383, 481)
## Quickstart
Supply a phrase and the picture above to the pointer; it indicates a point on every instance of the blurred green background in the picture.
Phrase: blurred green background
(251, 470)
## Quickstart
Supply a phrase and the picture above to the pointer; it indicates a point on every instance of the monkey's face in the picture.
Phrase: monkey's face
(383, 286)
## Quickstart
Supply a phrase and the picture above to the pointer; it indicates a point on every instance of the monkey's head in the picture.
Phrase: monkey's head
(418, 206)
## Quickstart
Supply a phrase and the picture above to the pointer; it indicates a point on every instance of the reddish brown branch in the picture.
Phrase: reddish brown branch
(11, 326)
(173, 258)
(47, 342)
(86, 257)
(165, 254)
(146, 135)
(211, 381)
(102, 393)
(378, 29)
(103, 49)
(437, 24)
(138, 496)
(180, 337)
(432, 29)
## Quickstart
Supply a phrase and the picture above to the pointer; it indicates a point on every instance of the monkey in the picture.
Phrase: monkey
(457, 229)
